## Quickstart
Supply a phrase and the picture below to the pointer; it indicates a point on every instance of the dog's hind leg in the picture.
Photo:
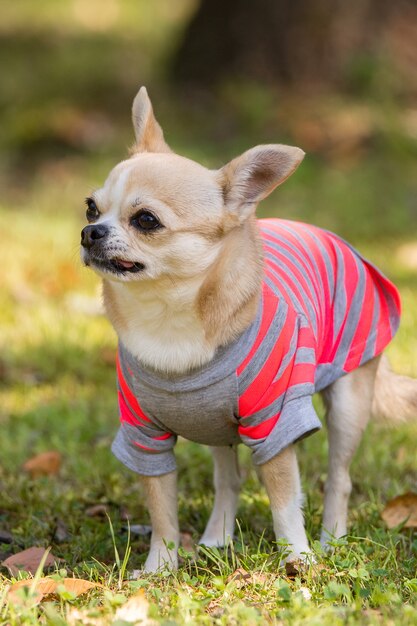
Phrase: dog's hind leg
(282, 481)
(349, 403)
(220, 527)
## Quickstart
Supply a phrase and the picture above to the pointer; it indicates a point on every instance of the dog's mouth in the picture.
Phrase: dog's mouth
(116, 265)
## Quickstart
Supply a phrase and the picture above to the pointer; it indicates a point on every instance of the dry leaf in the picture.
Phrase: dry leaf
(17, 599)
(259, 578)
(48, 586)
(44, 464)
(135, 610)
(97, 510)
(214, 608)
(241, 578)
(401, 510)
(78, 586)
(294, 568)
(29, 561)
(299, 568)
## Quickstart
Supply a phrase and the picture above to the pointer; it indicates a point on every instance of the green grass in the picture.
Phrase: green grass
(58, 393)
(65, 124)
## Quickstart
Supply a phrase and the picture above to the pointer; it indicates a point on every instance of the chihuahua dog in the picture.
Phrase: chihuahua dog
(227, 326)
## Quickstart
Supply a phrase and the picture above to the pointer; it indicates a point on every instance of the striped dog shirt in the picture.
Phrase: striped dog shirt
(324, 311)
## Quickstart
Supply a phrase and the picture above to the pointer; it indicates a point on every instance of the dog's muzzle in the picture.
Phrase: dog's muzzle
(93, 237)
(92, 234)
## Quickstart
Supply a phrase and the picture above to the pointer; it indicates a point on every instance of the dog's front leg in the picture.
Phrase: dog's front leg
(282, 481)
(161, 500)
(221, 525)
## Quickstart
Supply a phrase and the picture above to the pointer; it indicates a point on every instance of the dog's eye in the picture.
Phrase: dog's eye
(92, 214)
(145, 220)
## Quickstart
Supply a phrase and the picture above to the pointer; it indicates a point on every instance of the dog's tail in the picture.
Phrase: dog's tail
(395, 397)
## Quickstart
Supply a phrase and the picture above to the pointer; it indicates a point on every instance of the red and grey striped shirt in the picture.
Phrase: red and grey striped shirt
(324, 311)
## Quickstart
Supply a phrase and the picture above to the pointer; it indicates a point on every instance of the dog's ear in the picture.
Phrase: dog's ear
(149, 135)
(252, 176)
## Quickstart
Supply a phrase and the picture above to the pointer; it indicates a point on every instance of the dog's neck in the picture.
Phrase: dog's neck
(176, 326)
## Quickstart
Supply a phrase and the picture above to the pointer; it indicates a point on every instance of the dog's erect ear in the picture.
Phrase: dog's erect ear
(149, 135)
(252, 176)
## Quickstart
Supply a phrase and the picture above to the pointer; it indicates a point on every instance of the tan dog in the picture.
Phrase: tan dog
(179, 252)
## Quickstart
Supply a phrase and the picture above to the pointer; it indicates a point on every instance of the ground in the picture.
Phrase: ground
(57, 389)
(58, 393)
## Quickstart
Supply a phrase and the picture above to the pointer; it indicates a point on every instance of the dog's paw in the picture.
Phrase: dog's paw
(213, 541)
(161, 558)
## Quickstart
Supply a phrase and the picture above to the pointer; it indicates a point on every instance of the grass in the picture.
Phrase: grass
(57, 378)
(58, 393)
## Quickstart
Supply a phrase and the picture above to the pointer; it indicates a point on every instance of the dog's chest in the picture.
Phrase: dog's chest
(201, 411)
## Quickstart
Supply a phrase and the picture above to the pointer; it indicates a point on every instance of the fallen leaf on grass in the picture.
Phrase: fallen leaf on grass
(241, 578)
(294, 568)
(44, 464)
(134, 612)
(29, 561)
(48, 586)
(401, 510)
(78, 586)
(97, 510)
(214, 608)
(299, 569)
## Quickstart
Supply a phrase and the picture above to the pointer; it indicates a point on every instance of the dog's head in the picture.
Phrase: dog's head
(159, 214)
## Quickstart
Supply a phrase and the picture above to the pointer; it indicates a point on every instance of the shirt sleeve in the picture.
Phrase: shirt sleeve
(275, 395)
(140, 444)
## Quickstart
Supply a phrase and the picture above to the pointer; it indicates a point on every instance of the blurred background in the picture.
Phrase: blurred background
(335, 78)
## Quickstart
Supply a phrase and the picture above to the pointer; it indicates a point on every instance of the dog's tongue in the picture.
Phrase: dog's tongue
(126, 264)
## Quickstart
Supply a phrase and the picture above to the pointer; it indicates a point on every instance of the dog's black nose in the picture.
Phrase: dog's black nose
(90, 234)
